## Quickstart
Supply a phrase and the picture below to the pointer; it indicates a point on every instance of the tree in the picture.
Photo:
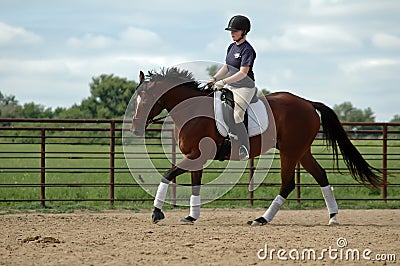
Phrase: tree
(395, 119)
(32, 110)
(7, 99)
(109, 96)
(74, 112)
(212, 70)
(265, 91)
(9, 107)
(348, 113)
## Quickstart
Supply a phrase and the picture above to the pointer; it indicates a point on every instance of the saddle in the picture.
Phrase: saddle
(255, 119)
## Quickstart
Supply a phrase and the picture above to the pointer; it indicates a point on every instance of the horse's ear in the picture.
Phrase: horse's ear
(141, 76)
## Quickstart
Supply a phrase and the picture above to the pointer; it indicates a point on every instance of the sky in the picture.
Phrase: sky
(330, 51)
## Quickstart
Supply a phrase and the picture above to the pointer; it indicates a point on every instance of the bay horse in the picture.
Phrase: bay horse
(296, 123)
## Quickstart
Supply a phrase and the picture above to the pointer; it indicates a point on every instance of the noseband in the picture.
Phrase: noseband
(154, 99)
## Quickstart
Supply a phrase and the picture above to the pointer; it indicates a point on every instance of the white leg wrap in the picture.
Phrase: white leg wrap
(161, 195)
(195, 206)
(274, 208)
(330, 200)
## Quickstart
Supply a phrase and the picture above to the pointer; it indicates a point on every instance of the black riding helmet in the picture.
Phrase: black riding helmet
(239, 22)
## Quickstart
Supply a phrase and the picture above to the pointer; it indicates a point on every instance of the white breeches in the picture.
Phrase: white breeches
(242, 98)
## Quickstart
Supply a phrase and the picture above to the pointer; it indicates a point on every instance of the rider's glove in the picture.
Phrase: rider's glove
(211, 82)
(219, 84)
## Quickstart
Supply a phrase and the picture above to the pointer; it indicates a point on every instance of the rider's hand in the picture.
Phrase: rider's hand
(211, 82)
(219, 84)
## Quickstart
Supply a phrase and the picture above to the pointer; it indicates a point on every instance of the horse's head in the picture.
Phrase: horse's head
(148, 105)
(161, 90)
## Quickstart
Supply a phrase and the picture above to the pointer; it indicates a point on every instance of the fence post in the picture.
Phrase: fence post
(112, 161)
(43, 168)
(251, 182)
(298, 194)
(384, 162)
(173, 159)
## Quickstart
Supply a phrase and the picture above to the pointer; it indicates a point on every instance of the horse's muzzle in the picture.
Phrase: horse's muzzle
(137, 128)
(138, 133)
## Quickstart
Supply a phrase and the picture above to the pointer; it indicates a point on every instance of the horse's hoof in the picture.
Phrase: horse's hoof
(157, 216)
(188, 220)
(333, 221)
(258, 222)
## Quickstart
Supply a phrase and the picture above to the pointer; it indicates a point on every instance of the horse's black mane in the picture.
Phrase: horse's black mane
(174, 75)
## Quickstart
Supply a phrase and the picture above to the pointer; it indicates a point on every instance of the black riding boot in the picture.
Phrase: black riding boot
(243, 141)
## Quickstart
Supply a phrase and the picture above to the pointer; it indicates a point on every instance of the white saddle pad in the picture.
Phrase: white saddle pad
(257, 120)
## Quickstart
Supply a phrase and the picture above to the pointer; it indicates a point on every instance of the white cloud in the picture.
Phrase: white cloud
(84, 67)
(325, 50)
(63, 81)
(32, 67)
(131, 38)
(310, 39)
(278, 77)
(330, 7)
(386, 41)
(218, 46)
(371, 65)
(340, 8)
(90, 41)
(16, 35)
(137, 36)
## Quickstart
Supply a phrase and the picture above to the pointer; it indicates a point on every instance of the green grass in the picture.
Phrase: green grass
(66, 164)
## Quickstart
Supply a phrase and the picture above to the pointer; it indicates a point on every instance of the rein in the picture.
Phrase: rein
(154, 120)
(202, 88)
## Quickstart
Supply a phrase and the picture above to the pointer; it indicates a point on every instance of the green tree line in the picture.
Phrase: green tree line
(109, 97)
(110, 94)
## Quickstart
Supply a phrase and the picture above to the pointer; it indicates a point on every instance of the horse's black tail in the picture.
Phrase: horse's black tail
(335, 135)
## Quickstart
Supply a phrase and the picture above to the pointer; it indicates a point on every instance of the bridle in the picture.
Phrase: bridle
(160, 103)
(153, 99)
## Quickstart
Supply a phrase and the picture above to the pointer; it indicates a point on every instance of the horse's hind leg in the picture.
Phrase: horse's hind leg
(195, 200)
(312, 166)
(288, 164)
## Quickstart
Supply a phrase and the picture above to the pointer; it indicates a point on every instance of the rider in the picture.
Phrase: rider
(239, 77)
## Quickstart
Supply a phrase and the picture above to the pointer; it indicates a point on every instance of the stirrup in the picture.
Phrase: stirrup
(243, 153)
(232, 136)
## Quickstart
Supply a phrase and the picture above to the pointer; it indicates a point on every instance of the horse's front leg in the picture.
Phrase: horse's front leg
(162, 192)
(195, 201)
(191, 163)
(196, 155)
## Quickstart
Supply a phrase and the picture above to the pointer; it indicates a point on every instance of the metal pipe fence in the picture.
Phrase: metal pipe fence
(33, 152)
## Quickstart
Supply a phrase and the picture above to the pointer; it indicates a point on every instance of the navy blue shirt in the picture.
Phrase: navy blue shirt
(238, 56)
